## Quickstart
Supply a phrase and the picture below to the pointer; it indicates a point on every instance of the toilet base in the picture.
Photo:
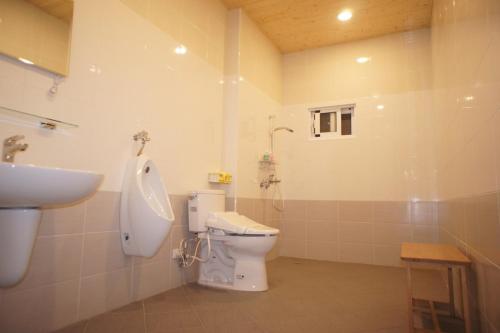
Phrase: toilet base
(226, 269)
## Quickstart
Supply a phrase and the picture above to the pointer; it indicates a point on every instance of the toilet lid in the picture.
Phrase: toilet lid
(235, 223)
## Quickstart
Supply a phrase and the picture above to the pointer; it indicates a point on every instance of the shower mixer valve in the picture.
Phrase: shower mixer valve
(268, 181)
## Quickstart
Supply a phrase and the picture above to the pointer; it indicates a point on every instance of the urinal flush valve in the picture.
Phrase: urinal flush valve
(142, 136)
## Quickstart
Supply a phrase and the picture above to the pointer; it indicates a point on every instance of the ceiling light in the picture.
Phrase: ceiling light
(344, 15)
(26, 61)
(363, 60)
(181, 49)
(469, 98)
(380, 107)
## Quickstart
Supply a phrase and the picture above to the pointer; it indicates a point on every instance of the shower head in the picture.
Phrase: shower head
(283, 128)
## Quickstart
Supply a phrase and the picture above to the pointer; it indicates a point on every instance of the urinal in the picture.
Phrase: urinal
(146, 214)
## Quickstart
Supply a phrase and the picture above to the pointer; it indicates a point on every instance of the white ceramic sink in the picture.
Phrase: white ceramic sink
(32, 186)
(24, 190)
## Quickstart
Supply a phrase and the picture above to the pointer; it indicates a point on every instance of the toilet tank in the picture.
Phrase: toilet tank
(200, 204)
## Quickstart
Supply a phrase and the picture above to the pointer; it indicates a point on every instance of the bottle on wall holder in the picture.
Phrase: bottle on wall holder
(220, 178)
(146, 214)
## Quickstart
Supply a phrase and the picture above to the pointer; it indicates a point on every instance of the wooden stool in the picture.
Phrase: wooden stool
(440, 256)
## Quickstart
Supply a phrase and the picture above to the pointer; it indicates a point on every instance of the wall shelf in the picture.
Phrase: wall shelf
(43, 122)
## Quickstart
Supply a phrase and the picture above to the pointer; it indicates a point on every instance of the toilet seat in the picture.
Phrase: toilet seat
(235, 224)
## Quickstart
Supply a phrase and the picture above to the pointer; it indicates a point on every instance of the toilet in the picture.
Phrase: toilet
(238, 245)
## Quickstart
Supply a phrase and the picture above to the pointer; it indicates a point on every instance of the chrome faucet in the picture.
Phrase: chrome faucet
(11, 147)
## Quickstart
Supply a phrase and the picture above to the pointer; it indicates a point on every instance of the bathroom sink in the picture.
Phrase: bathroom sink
(25, 185)
(24, 191)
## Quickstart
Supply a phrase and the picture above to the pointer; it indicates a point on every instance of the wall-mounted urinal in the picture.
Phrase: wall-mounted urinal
(146, 213)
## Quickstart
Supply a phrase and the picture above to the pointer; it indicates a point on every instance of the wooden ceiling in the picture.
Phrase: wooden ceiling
(295, 25)
(62, 9)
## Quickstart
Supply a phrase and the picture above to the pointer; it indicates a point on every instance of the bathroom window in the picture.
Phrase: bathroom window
(332, 121)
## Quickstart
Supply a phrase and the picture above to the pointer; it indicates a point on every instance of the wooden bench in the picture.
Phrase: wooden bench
(450, 257)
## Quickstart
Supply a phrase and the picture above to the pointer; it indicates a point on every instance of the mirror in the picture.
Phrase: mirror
(37, 32)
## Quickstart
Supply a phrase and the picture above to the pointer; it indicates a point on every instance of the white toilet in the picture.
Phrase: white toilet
(238, 244)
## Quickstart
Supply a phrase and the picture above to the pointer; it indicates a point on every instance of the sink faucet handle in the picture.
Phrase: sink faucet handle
(13, 139)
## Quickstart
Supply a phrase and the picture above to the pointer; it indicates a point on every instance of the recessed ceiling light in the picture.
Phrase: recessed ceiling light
(26, 61)
(363, 60)
(344, 15)
(181, 49)
(380, 107)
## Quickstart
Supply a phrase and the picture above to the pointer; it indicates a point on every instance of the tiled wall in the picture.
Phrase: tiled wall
(199, 25)
(367, 232)
(78, 268)
(351, 231)
(125, 77)
(466, 78)
(390, 156)
(472, 224)
(261, 211)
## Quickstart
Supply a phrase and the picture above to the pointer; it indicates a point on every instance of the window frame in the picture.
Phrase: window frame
(315, 133)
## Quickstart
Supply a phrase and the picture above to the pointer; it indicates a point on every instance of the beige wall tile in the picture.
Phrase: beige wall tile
(62, 220)
(318, 250)
(245, 206)
(294, 210)
(41, 309)
(150, 279)
(425, 234)
(356, 253)
(395, 234)
(457, 217)
(163, 254)
(355, 232)
(104, 292)
(259, 206)
(103, 212)
(391, 212)
(321, 231)
(294, 229)
(492, 294)
(483, 227)
(103, 253)
(355, 211)
(290, 247)
(180, 207)
(54, 259)
(386, 255)
(322, 210)
(424, 212)
(177, 233)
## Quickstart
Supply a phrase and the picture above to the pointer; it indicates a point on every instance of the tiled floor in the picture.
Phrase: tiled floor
(304, 296)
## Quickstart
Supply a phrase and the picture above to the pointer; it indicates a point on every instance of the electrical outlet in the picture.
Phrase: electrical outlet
(176, 253)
